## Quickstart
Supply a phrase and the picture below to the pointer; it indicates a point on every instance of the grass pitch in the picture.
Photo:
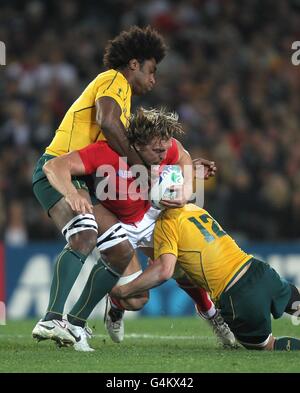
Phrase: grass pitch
(167, 345)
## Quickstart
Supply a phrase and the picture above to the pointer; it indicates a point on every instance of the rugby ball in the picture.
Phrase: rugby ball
(171, 175)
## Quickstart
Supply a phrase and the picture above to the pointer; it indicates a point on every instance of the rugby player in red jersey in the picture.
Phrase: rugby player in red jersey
(151, 135)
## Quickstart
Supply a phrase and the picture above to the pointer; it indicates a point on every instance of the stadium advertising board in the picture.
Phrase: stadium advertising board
(29, 271)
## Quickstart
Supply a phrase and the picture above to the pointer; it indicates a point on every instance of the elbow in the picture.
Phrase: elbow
(53, 166)
(48, 167)
(165, 273)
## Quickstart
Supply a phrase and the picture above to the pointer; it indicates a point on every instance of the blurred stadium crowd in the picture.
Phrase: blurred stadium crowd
(228, 74)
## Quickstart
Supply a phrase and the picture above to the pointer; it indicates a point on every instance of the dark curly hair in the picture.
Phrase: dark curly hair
(147, 124)
(137, 43)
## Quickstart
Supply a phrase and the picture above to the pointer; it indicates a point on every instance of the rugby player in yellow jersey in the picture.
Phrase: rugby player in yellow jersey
(101, 112)
(247, 290)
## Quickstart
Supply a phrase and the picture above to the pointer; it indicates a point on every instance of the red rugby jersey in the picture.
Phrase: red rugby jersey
(122, 199)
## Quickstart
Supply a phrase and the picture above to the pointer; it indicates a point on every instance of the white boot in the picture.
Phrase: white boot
(55, 330)
(81, 336)
(221, 329)
(114, 323)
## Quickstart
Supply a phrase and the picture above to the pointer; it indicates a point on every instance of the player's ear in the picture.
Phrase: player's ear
(137, 147)
(134, 64)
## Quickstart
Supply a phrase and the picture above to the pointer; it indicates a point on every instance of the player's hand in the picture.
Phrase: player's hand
(79, 203)
(116, 292)
(209, 168)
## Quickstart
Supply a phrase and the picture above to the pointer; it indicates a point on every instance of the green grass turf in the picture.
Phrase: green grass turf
(180, 345)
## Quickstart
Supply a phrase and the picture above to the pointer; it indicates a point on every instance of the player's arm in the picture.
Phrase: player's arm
(59, 172)
(185, 192)
(165, 253)
(108, 114)
(157, 273)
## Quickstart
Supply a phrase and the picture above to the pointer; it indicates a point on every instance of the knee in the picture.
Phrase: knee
(267, 345)
(135, 303)
(83, 242)
(119, 256)
(126, 253)
(293, 306)
(270, 344)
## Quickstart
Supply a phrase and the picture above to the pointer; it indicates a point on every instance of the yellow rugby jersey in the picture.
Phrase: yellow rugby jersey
(209, 256)
(79, 128)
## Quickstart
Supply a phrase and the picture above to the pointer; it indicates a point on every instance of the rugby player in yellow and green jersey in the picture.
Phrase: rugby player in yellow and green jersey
(101, 112)
(247, 290)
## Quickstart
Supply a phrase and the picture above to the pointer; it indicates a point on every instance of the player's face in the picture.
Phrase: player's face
(155, 152)
(144, 77)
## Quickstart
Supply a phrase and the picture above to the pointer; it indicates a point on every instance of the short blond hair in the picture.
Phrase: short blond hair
(147, 124)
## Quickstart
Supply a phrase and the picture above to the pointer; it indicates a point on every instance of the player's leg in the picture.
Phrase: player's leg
(140, 235)
(81, 241)
(80, 232)
(205, 308)
(292, 308)
(247, 307)
(116, 252)
(269, 342)
(203, 304)
(132, 271)
(115, 309)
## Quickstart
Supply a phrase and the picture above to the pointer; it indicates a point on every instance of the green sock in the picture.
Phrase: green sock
(101, 280)
(67, 268)
(287, 344)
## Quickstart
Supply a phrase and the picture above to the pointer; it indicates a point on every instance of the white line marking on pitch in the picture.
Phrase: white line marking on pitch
(133, 335)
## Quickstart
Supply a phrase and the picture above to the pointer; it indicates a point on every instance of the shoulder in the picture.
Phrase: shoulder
(191, 210)
(100, 153)
(106, 79)
(169, 215)
(167, 225)
(179, 213)
(105, 150)
(107, 75)
(113, 83)
(101, 147)
(111, 76)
